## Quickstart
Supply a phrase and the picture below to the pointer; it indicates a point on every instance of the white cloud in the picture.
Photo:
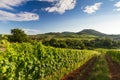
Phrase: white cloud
(31, 31)
(118, 9)
(61, 6)
(8, 4)
(117, 5)
(93, 8)
(23, 16)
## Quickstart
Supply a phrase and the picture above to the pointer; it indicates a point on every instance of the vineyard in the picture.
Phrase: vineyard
(34, 61)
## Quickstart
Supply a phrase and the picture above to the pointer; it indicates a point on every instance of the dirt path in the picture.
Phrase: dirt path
(82, 72)
(114, 69)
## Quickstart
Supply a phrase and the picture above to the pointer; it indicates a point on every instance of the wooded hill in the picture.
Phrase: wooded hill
(84, 34)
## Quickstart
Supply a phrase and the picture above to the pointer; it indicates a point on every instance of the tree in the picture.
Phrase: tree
(18, 36)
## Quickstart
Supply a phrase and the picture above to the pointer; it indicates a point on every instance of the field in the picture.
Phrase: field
(59, 40)
(34, 61)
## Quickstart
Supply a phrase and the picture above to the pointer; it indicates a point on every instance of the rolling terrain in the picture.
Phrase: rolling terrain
(84, 34)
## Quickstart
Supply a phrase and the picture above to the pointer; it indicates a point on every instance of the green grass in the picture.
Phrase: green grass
(100, 70)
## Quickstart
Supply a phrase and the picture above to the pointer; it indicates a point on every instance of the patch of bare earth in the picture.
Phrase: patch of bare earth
(114, 69)
(2, 49)
(82, 72)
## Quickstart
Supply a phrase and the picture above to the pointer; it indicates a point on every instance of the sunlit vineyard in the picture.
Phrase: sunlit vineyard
(59, 40)
(26, 61)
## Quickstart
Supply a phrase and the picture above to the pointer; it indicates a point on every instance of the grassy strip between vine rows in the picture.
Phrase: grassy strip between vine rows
(115, 54)
(100, 70)
(26, 61)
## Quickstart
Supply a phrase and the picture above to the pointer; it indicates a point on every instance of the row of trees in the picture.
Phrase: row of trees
(17, 35)
(83, 44)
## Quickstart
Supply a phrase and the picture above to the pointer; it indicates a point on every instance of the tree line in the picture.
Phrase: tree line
(18, 35)
(83, 44)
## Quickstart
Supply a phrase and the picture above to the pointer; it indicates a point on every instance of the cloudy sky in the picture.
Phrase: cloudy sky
(42, 16)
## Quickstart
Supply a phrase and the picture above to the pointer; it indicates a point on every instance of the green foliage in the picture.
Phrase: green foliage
(26, 61)
(115, 54)
(68, 43)
(91, 32)
(82, 44)
(3, 37)
(18, 36)
(4, 41)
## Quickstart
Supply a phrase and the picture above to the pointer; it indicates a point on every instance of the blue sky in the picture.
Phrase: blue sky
(42, 16)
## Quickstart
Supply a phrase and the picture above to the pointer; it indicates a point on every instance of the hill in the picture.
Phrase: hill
(84, 34)
(91, 32)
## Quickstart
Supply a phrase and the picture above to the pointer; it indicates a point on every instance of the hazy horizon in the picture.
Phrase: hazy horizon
(44, 16)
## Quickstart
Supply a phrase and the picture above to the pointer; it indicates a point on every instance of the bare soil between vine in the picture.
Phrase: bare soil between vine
(114, 69)
(82, 72)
